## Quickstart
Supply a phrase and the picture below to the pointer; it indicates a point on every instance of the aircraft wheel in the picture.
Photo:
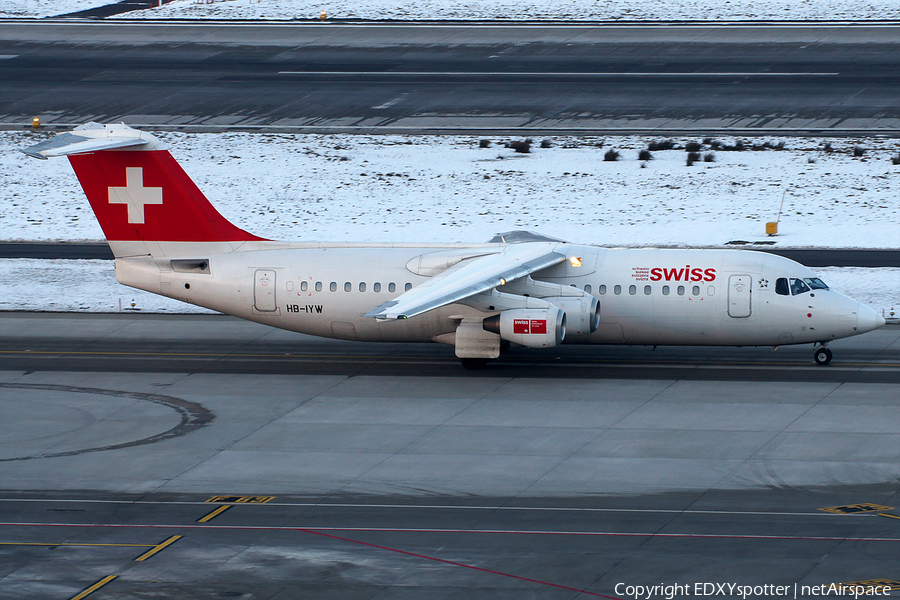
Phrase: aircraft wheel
(823, 356)
(474, 364)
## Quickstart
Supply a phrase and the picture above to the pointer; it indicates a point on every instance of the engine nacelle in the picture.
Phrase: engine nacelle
(582, 314)
(531, 327)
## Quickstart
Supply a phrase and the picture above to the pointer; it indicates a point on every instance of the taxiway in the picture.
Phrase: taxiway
(234, 460)
(831, 78)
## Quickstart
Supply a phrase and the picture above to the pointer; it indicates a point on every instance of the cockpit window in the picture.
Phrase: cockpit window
(798, 287)
(781, 287)
(816, 283)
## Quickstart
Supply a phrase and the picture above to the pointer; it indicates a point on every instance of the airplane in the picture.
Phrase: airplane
(519, 288)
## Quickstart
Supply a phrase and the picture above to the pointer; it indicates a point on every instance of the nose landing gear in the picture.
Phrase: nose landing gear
(823, 356)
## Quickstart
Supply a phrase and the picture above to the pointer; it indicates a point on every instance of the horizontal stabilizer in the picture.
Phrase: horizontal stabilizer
(93, 137)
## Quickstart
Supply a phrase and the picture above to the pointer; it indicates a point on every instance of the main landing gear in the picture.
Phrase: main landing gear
(474, 364)
(823, 356)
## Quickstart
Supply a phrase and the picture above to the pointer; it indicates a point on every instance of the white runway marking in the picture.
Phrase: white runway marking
(439, 507)
(557, 74)
(313, 529)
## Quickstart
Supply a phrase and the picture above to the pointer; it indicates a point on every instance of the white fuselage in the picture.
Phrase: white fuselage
(647, 296)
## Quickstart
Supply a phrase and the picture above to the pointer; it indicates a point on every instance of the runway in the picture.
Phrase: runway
(127, 343)
(835, 79)
(341, 547)
(202, 456)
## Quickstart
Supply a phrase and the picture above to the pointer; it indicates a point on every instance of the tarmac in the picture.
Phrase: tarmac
(122, 435)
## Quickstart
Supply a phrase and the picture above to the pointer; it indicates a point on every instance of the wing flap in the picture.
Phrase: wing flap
(470, 277)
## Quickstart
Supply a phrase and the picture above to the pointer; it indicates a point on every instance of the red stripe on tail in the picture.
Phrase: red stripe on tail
(145, 195)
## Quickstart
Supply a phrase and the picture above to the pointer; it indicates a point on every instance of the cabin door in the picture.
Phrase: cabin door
(264, 290)
(739, 296)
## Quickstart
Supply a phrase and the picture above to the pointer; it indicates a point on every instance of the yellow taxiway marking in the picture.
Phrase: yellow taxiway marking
(888, 515)
(241, 499)
(889, 583)
(214, 514)
(852, 509)
(94, 587)
(159, 547)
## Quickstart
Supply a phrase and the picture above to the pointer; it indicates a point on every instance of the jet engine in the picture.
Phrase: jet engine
(531, 327)
(582, 313)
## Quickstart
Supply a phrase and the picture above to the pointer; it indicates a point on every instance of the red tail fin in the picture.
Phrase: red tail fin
(145, 195)
(137, 190)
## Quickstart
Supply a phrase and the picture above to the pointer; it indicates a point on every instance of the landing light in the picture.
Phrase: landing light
(575, 261)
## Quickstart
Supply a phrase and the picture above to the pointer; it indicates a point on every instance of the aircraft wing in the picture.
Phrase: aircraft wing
(470, 277)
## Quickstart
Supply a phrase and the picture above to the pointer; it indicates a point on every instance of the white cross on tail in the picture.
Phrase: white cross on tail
(135, 195)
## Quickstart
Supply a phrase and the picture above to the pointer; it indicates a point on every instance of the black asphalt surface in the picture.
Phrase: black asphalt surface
(115, 8)
(810, 257)
(355, 548)
(873, 358)
(389, 77)
(55, 251)
(407, 545)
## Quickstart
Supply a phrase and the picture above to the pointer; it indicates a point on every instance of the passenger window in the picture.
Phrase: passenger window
(362, 287)
(632, 289)
(665, 290)
(407, 287)
(603, 290)
(304, 286)
(647, 290)
(681, 290)
(318, 286)
(696, 290)
(348, 286)
(290, 285)
(333, 286)
(391, 287)
(798, 287)
(617, 290)
(587, 288)
(376, 287)
(711, 291)
(781, 287)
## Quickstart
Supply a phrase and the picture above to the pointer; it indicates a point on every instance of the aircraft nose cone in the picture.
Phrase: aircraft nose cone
(869, 320)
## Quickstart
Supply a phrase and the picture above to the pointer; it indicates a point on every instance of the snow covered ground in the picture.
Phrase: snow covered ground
(565, 10)
(76, 286)
(445, 188)
(46, 8)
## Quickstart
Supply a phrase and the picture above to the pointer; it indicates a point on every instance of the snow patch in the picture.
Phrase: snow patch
(46, 8)
(371, 188)
(563, 10)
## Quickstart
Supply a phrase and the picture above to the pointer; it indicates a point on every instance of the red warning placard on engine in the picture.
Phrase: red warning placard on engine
(529, 326)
